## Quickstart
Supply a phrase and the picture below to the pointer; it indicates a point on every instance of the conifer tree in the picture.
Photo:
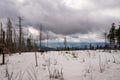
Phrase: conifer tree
(111, 35)
(118, 35)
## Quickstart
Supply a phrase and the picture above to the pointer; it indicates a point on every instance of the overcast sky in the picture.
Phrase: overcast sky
(79, 20)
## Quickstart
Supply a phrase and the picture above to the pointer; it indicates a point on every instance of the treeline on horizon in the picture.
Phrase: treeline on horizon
(112, 41)
(12, 42)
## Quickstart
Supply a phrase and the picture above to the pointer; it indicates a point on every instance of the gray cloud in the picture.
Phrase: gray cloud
(58, 17)
(8, 9)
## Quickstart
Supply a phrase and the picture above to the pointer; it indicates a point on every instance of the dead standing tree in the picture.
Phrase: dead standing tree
(105, 47)
(15, 43)
(40, 37)
(47, 39)
(9, 36)
(2, 44)
(3, 61)
(1, 33)
(20, 35)
(65, 43)
(35, 48)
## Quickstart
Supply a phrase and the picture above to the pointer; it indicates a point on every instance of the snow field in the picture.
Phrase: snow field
(62, 65)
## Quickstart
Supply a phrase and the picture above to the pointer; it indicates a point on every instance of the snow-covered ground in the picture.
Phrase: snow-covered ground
(62, 65)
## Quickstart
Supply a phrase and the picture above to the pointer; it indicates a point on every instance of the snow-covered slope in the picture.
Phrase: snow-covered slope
(62, 65)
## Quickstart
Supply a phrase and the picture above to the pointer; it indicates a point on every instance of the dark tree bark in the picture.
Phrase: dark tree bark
(3, 61)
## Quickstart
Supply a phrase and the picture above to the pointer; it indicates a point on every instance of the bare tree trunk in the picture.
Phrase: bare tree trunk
(35, 54)
(40, 37)
(14, 41)
(47, 39)
(65, 41)
(1, 34)
(9, 36)
(3, 61)
(105, 35)
(20, 35)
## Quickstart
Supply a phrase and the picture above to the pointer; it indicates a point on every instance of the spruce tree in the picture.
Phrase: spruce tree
(111, 35)
(29, 45)
(118, 36)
